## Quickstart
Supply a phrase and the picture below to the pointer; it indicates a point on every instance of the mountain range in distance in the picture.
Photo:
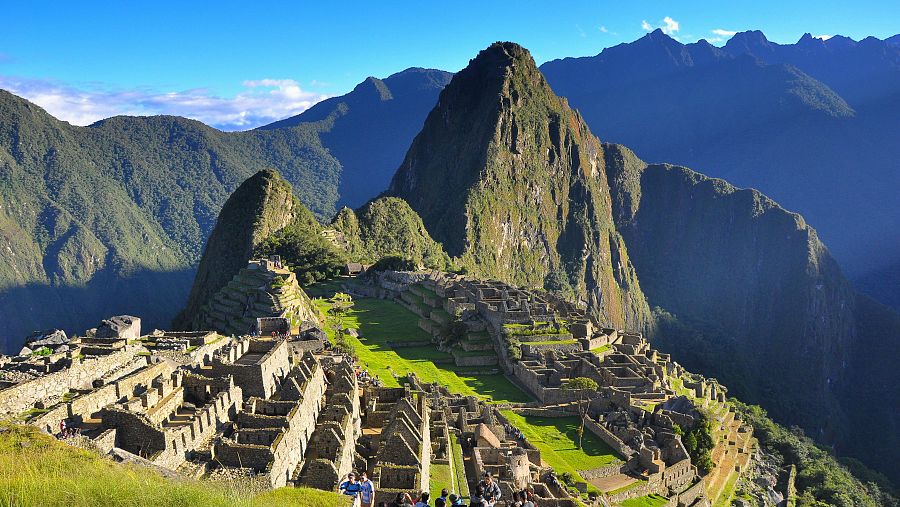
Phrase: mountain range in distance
(112, 218)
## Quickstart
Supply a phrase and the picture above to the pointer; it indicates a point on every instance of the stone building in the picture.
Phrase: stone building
(270, 435)
(257, 364)
(332, 450)
(403, 459)
(171, 415)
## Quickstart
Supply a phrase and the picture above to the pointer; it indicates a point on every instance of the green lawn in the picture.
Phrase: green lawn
(646, 501)
(441, 477)
(461, 487)
(381, 322)
(37, 470)
(604, 348)
(557, 439)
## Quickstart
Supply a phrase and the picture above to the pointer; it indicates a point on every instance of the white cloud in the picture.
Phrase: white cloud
(603, 29)
(581, 32)
(823, 37)
(668, 26)
(671, 26)
(723, 33)
(261, 101)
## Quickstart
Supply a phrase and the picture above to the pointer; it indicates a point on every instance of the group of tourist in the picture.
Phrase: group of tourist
(366, 378)
(67, 431)
(486, 494)
(515, 432)
(364, 489)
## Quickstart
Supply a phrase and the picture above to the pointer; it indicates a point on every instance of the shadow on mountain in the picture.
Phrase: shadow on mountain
(154, 296)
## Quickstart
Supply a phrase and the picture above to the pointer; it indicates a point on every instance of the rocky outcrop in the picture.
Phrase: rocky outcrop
(510, 180)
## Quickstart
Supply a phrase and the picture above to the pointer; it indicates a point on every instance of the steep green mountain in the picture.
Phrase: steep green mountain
(812, 125)
(370, 128)
(111, 218)
(510, 180)
(383, 227)
(260, 207)
(745, 291)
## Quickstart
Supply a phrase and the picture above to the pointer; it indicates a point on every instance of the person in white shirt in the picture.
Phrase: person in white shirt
(366, 490)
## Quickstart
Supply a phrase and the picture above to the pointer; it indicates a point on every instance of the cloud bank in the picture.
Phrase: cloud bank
(260, 102)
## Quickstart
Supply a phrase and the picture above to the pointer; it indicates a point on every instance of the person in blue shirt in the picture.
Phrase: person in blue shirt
(366, 490)
(350, 487)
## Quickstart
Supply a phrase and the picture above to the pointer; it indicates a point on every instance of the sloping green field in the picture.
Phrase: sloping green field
(557, 439)
(383, 322)
(37, 470)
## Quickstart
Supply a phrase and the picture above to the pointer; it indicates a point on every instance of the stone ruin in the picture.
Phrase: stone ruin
(332, 448)
(263, 289)
(272, 432)
(403, 446)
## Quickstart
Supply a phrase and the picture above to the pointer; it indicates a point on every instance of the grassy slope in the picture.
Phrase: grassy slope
(646, 501)
(557, 439)
(380, 322)
(37, 470)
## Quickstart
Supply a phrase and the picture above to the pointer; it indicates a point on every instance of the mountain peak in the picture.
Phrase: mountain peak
(509, 179)
(747, 42)
(500, 56)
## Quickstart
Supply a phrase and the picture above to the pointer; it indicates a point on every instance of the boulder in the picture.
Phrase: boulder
(121, 327)
(25, 351)
(49, 338)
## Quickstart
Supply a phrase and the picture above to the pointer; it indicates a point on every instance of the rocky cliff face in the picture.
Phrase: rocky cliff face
(762, 303)
(261, 206)
(510, 180)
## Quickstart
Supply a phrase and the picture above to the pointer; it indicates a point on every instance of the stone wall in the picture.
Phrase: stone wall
(80, 374)
(610, 439)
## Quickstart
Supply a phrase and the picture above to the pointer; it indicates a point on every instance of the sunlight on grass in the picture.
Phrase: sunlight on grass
(37, 470)
(384, 324)
(557, 439)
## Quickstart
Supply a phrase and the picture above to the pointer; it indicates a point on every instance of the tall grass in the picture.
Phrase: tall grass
(37, 470)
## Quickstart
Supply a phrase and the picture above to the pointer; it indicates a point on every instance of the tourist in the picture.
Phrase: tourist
(423, 499)
(350, 487)
(62, 429)
(366, 490)
(491, 490)
(526, 497)
(477, 499)
(442, 498)
(455, 501)
(403, 500)
(440, 502)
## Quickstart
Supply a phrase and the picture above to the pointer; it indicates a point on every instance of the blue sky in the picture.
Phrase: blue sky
(236, 65)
